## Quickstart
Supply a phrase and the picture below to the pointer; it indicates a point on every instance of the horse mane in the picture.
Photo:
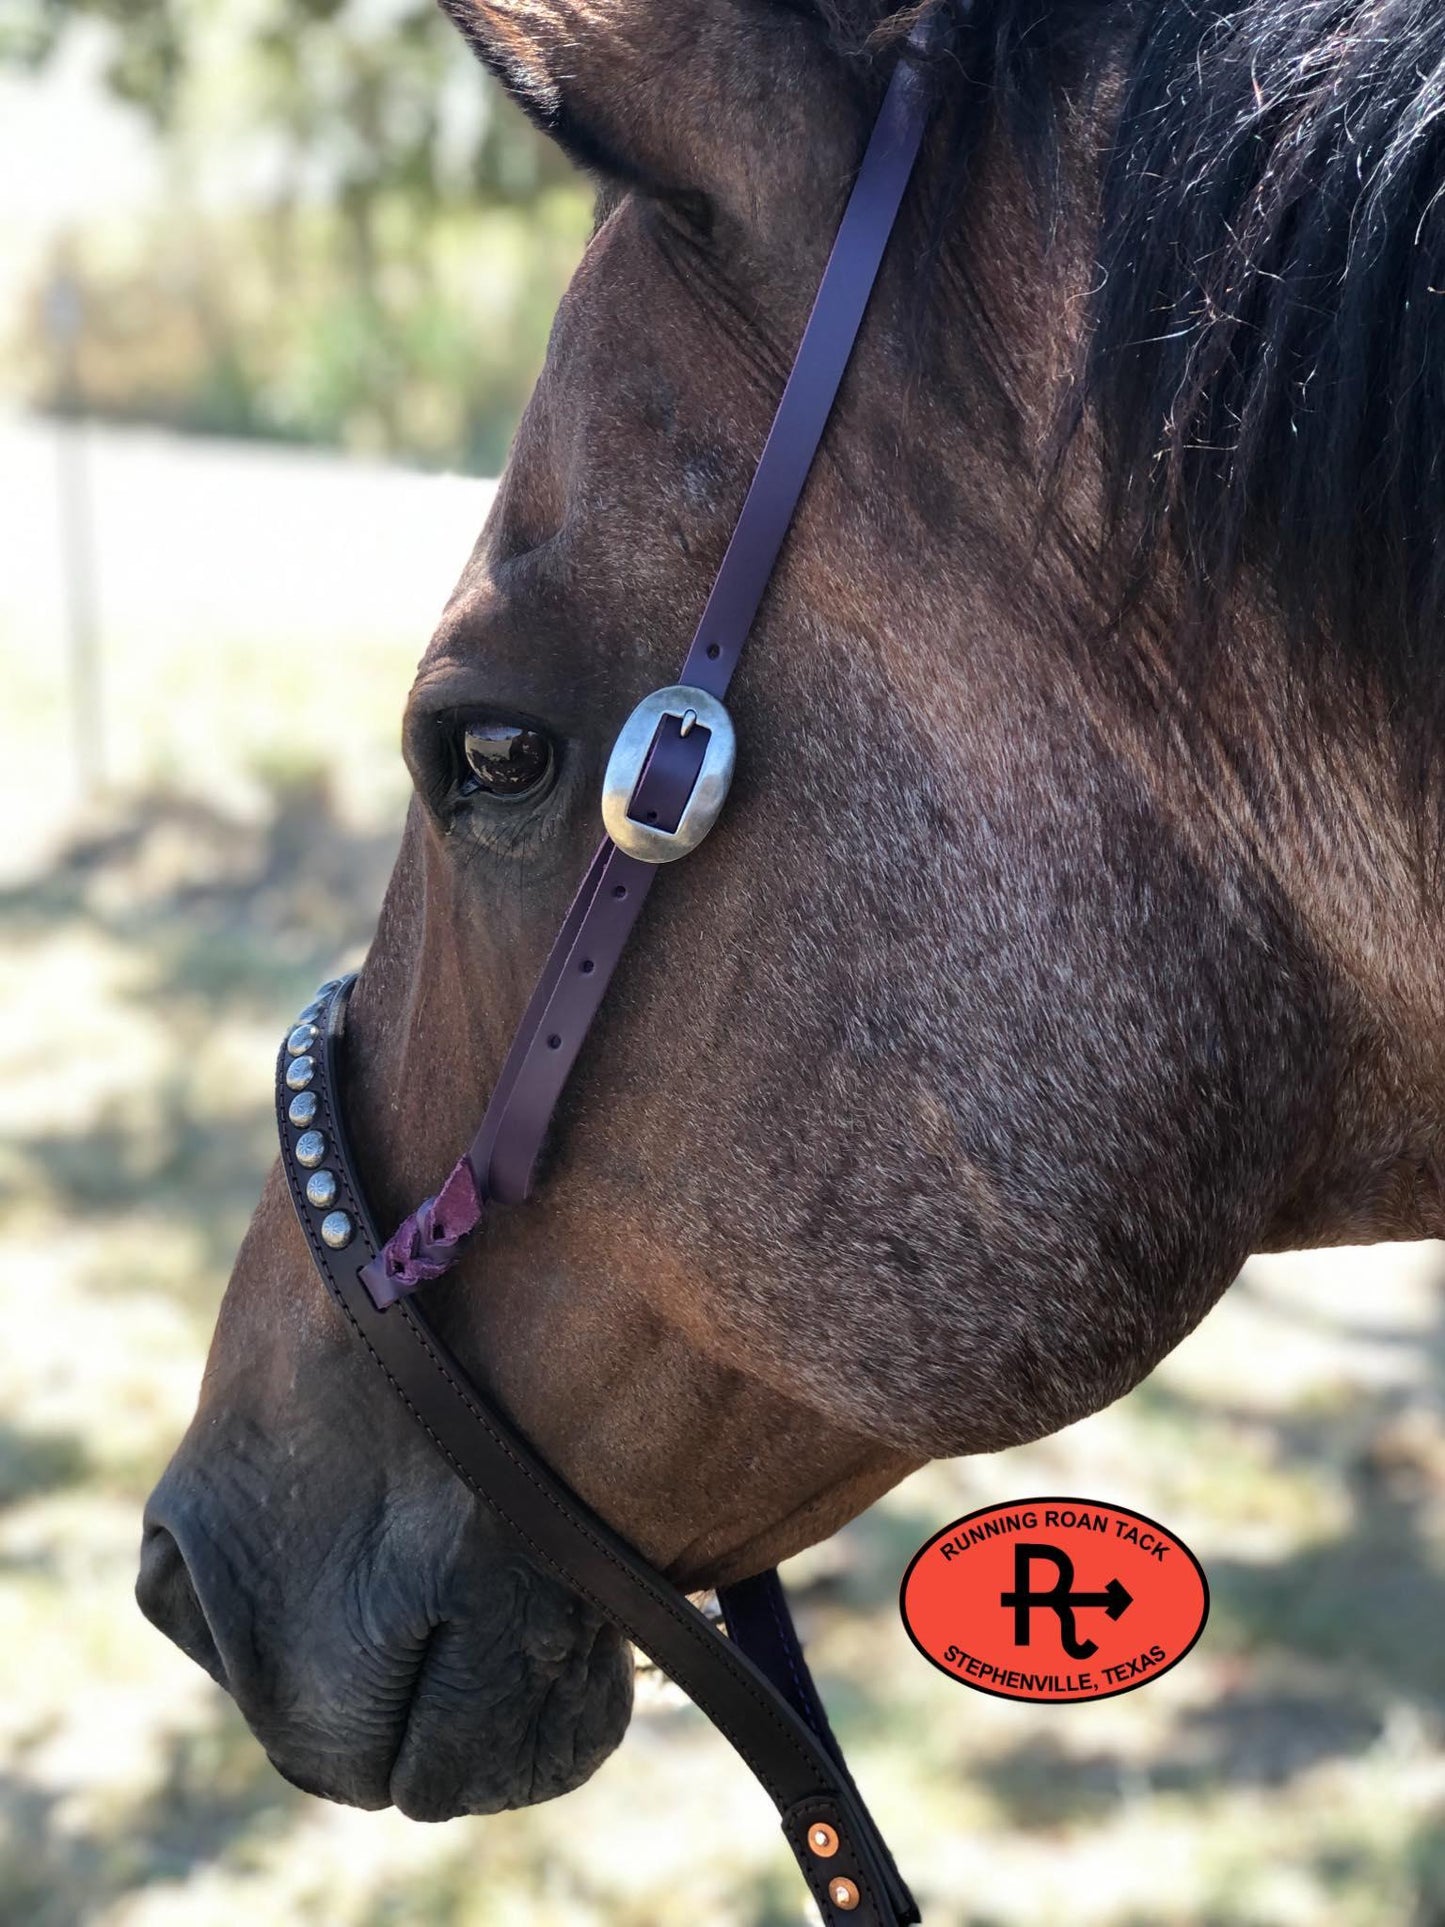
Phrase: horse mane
(1266, 343)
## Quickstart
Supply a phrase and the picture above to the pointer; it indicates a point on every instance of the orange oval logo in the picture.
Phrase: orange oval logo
(1054, 1599)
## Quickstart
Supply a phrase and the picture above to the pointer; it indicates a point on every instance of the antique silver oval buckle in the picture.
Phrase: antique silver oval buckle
(689, 710)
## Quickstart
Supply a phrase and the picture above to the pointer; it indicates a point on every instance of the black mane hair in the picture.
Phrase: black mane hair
(1267, 341)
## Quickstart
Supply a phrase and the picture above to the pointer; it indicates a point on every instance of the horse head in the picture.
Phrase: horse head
(1064, 939)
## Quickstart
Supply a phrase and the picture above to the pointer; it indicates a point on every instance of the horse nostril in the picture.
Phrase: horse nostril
(165, 1594)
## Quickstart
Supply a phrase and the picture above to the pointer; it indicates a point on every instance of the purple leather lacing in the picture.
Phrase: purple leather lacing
(428, 1243)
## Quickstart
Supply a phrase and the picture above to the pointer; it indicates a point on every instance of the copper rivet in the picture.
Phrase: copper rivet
(823, 1841)
(843, 1894)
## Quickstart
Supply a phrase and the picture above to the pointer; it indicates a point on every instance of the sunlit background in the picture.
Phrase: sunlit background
(275, 276)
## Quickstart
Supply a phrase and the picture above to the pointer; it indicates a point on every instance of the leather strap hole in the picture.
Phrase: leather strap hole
(588, 966)
(554, 1042)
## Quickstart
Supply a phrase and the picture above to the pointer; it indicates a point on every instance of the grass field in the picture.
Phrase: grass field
(1291, 1773)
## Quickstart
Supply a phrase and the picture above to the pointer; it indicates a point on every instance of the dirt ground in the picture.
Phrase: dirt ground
(153, 940)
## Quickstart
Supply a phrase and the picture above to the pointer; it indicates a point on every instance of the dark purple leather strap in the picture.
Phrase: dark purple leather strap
(501, 1158)
(754, 1685)
(755, 1612)
(818, 370)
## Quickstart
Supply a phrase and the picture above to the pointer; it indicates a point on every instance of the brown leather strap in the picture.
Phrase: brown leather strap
(799, 1771)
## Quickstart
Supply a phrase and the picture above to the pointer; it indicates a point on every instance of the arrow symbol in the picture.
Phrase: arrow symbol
(1115, 1599)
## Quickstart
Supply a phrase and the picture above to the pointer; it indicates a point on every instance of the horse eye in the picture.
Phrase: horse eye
(505, 760)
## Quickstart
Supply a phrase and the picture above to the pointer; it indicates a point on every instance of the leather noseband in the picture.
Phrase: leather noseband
(665, 784)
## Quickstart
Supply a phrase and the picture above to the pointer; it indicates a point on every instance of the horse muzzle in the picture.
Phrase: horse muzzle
(374, 1682)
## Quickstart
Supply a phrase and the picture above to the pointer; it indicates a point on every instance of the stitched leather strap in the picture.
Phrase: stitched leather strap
(798, 1767)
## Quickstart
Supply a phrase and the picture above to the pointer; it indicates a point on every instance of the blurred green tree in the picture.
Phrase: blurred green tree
(337, 295)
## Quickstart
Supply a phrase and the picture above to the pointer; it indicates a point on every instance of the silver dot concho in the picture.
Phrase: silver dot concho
(310, 1148)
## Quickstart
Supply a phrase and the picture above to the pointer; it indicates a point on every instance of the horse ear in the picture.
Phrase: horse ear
(585, 72)
(523, 42)
(657, 95)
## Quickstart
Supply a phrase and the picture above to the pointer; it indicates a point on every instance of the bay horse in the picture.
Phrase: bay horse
(1072, 931)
